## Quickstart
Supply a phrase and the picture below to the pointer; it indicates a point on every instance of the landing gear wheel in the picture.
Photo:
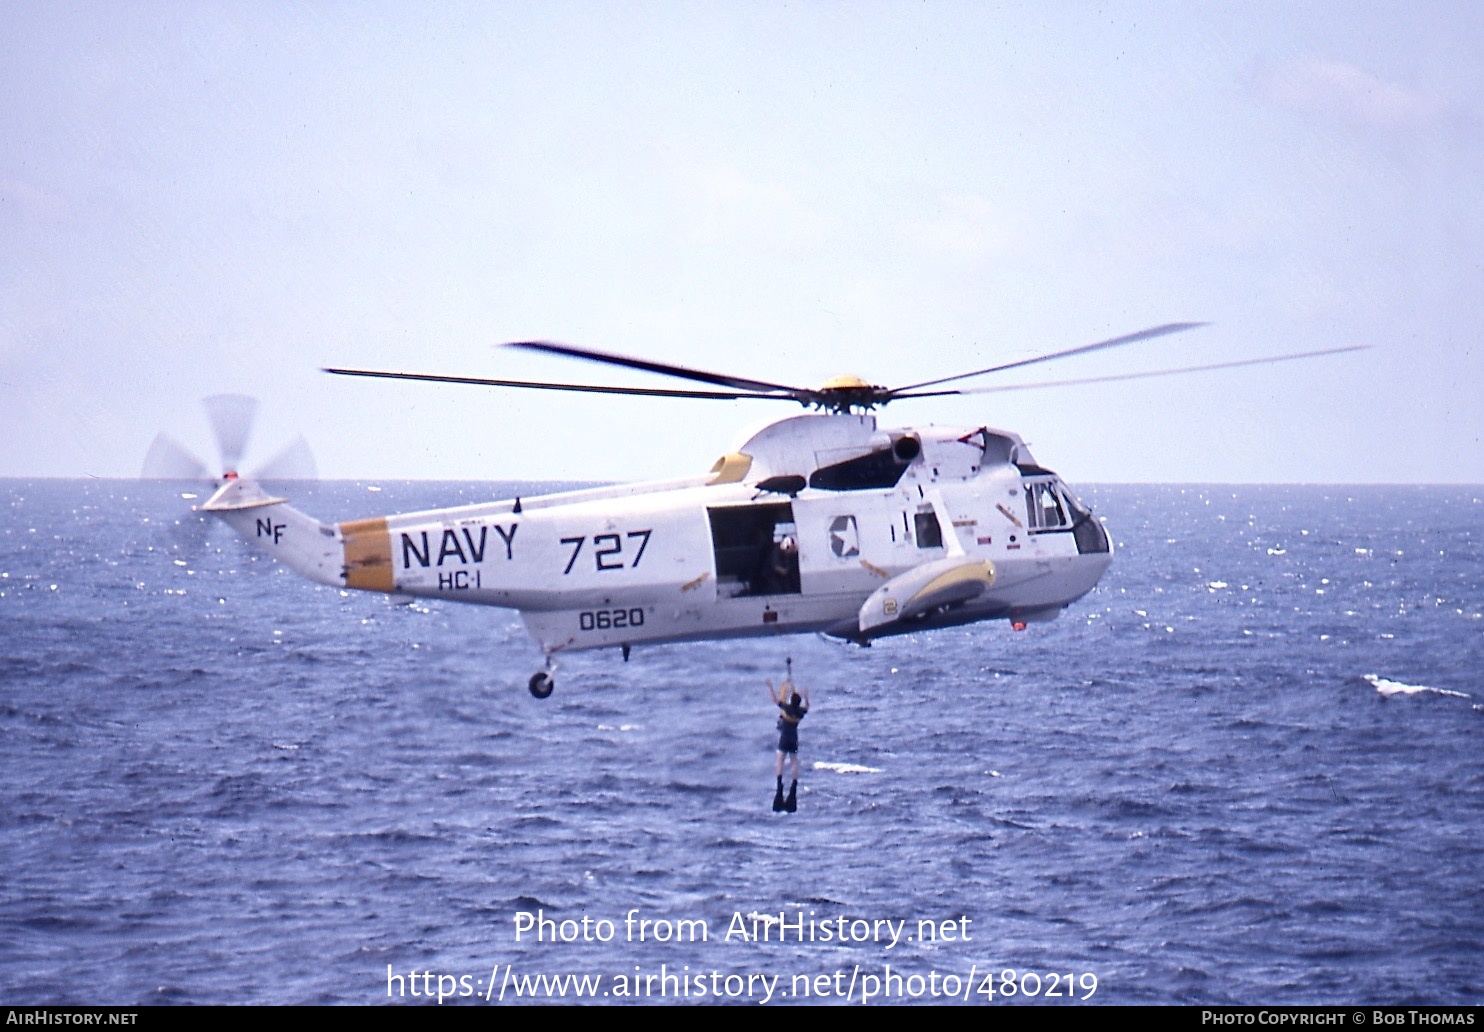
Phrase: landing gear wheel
(541, 684)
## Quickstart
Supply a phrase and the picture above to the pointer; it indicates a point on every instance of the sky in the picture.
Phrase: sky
(205, 198)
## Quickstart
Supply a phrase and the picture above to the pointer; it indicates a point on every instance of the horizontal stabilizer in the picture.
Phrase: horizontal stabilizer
(238, 493)
(922, 589)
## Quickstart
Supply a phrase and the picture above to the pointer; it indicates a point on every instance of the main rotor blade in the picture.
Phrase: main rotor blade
(699, 375)
(1134, 376)
(167, 460)
(648, 392)
(231, 420)
(1114, 342)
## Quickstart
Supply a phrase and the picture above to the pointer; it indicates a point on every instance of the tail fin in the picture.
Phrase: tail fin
(300, 542)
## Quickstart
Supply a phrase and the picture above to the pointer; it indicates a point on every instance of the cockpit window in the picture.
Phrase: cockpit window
(1075, 509)
(1050, 507)
(1045, 509)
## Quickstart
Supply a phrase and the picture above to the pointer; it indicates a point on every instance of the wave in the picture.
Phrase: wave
(846, 768)
(1388, 688)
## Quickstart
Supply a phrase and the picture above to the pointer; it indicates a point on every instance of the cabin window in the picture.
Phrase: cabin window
(929, 532)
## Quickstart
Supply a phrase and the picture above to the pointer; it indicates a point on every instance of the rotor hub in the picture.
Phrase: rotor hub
(847, 393)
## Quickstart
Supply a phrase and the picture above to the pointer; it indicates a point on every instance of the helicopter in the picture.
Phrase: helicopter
(818, 522)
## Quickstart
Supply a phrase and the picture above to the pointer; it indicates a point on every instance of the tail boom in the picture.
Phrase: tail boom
(299, 541)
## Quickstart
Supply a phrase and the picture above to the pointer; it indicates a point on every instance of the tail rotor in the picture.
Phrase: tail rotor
(231, 418)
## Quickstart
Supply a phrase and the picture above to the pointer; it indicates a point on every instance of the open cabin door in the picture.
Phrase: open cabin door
(756, 549)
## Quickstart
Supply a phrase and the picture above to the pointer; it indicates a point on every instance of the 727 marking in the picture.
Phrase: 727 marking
(607, 550)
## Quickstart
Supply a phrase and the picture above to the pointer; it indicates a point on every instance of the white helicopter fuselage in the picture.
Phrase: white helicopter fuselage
(814, 523)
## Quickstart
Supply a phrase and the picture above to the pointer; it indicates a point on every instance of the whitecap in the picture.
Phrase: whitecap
(1389, 688)
(846, 768)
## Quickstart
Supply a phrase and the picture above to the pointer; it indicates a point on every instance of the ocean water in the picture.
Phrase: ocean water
(1245, 769)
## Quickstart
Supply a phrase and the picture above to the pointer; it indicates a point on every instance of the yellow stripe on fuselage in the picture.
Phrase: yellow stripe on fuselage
(368, 554)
